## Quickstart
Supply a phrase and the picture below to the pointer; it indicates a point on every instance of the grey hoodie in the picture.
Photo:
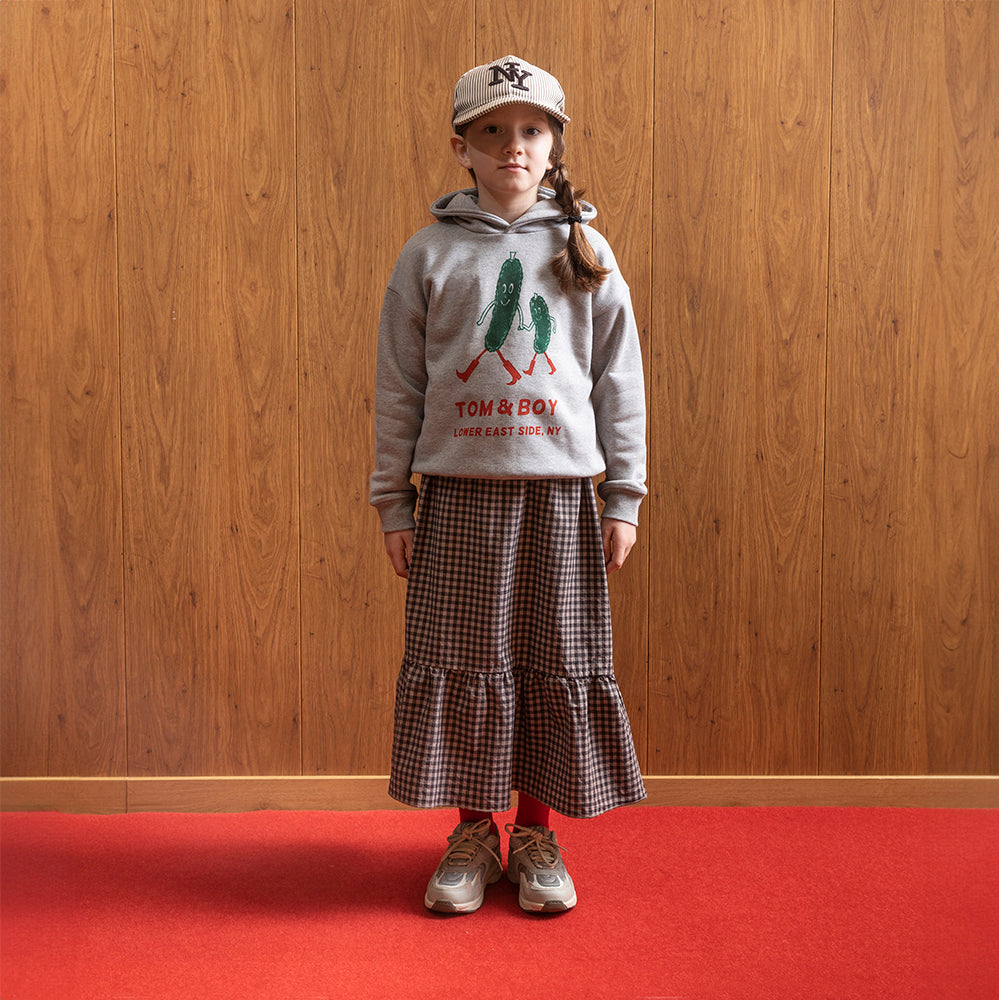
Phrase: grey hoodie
(487, 369)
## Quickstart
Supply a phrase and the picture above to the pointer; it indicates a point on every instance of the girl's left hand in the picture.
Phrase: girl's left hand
(618, 537)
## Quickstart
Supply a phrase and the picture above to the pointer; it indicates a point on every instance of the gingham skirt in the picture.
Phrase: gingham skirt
(507, 679)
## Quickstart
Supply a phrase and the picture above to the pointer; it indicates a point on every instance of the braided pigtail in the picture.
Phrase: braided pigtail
(576, 264)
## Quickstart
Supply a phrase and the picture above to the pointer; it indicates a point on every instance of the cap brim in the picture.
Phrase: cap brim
(475, 113)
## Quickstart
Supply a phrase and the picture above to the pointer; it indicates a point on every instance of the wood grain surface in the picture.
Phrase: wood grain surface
(740, 240)
(910, 560)
(61, 590)
(201, 206)
(206, 185)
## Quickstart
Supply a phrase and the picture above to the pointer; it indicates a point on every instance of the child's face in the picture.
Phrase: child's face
(509, 150)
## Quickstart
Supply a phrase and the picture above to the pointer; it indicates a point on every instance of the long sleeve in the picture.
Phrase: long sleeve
(619, 403)
(400, 385)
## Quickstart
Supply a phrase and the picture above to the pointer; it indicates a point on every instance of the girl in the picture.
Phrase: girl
(508, 375)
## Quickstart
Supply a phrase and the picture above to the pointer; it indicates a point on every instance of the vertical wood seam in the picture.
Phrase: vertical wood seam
(121, 410)
(298, 376)
(826, 396)
(126, 603)
(650, 257)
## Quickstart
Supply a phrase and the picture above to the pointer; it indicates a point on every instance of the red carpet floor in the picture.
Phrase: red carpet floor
(699, 904)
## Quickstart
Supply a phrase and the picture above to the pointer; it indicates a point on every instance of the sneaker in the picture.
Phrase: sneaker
(471, 862)
(534, 863)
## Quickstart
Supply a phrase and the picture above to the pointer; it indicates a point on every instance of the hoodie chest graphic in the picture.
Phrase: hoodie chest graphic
(502, 310)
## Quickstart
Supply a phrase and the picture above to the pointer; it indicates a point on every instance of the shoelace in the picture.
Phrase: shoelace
(542, 851)
(466, 843)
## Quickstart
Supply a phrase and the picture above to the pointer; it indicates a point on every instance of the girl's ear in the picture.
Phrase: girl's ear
(460, 149)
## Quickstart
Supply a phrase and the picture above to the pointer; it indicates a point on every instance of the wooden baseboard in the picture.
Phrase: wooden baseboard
(897, 791)
(228, 794)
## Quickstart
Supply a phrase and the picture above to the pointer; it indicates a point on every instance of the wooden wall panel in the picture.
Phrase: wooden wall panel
(61, 640)
(206, 186)
(910, 609)
(374, 85)
(739, 293)
(201, 205)
(602, 54)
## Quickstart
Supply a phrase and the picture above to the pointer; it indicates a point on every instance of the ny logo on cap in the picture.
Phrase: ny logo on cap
(509, 71)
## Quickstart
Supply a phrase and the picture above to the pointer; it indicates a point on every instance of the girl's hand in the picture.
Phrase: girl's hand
(618, 537)
(399, 546)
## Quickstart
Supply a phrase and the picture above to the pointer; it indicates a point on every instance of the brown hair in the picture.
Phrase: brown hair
(576, 264)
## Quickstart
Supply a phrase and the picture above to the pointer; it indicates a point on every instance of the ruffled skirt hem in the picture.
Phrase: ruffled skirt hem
(467, 739)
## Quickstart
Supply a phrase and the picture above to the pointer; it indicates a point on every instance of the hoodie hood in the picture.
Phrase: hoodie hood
(462, 208)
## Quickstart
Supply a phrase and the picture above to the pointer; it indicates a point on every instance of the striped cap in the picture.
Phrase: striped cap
(506, 81)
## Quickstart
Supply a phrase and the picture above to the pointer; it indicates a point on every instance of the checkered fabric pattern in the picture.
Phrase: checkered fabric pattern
(507, 678)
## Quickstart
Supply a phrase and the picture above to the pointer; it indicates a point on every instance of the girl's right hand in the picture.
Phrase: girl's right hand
(399, 546)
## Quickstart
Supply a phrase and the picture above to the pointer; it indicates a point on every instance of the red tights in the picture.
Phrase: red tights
(530, 812)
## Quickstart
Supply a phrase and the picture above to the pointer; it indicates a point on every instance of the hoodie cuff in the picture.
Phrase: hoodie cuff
(622, 506)
(398, 515)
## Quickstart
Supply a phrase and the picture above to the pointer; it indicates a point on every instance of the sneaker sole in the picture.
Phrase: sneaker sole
(447, 906)
(450, 906)
(547, 906)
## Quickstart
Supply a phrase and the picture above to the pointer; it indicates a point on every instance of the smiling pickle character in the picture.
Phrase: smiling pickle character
(504, 305)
